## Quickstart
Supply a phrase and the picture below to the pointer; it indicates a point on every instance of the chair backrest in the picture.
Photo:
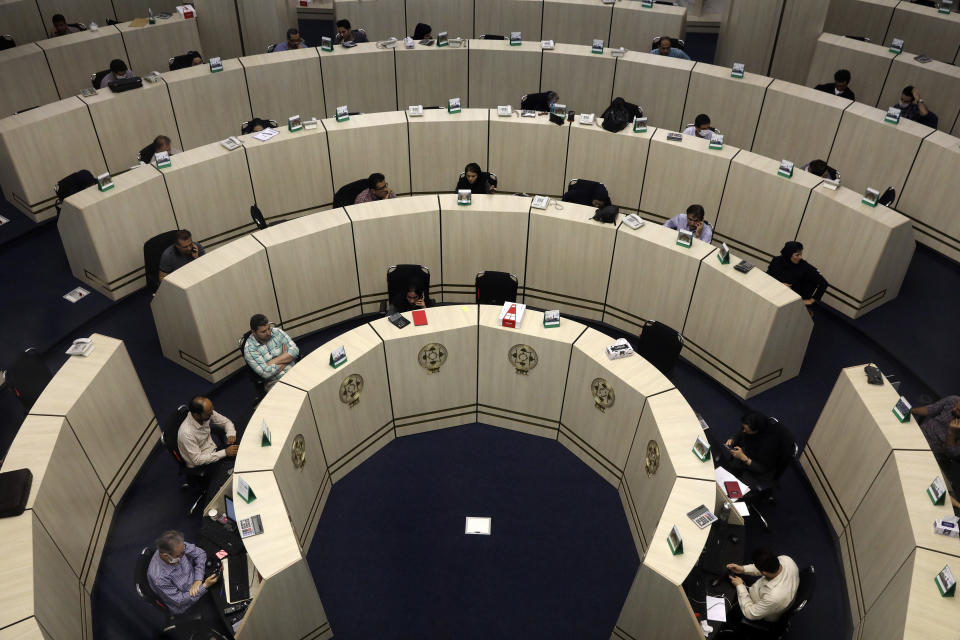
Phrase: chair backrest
(171, 429)
(73, 183)
(257, 216)
(28, 376)
(184, 60)
(805, 587)
(675, 43)
(98, 77)
(788, 448)
(271, 47)
(145, 155)
(7, 42)
(142, 584)
(889, 195)
(348, 193)
(496, 287)
(152, 250)
(582, 191)
(78, 25)
(492, 36)
(399, 276)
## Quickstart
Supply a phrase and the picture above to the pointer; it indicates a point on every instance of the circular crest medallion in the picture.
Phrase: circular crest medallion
(298, 452)
(603, 395)
(652, 458)
(523, 357)
(432, 356)
(350, 389)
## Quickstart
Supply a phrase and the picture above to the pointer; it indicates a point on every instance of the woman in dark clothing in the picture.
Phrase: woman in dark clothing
(791, 269)
(422, 32)
(475, 180)
(757, 451)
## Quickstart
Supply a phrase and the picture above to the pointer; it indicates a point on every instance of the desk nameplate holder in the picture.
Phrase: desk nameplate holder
(343, 114)
(737, 70)
(216, 65)
(619, 52)
(892, 116)
(684, 238)
(464, 197)
(597, 46)
(104, 182)
(946, 583)
(546, 45)
(266, 438)
(442, 39)
(870, 197)
(453, 105)
(587, 118)
(294, 123)
(944, 6)
(896, 46)
(937, 491)
(639, 124)
(701, 449)
(674, 136)
(163, 159)
(516, 38)
(646, 4)
(551, 319)
(902, 410)
(326, 44)
(338, 356)
(244, 491)
(723, 255)
(674, 541)
(786, 169)
(716, 141)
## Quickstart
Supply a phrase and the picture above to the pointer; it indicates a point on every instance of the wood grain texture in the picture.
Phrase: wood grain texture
(73, 58)
(924, 28)
(867, 63)
(654, 83)
(430, 76)
(529, 155)
(929, 198)
(440, 142)
(489, 85)
(747, 34)
(595, 154)
(635, 27)
(276, 548)
(284, 84)
(193, 90)
(453, 16)
(576, 21)
(801, 24)
(21, 19)
(381, 19)
(732, 104)
(868, 18)
(938, 83)
(342, 73)
(217, 28)
(287, 604)
(26, 80)
(150, 47)
(500, 17)
(376, 135)
(582, 79)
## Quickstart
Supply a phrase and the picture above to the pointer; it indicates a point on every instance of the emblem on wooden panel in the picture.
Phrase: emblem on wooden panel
(652, 458)
(603, 395)
(432, 357)
(298, 452)
(523, 357)
(350, 390)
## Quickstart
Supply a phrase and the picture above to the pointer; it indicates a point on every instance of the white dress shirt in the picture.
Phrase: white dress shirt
(768, 598)
(194, 441)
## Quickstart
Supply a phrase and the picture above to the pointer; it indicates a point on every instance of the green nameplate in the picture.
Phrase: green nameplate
(701, 449)
(646, 4)
(785, 173)
(870, 203)
(934, 499)
(551, 319)
(337, 357)
(244, 491)
(105, 188)
(674, 541)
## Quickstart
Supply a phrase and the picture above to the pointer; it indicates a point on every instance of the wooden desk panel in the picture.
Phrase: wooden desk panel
(284, 84)
(28, 629)
(21, 19)
(938, 83)
(691, 157)
(800, 26)
(198, 315)
(868, 18)
(929, 199)
(643, 260)
(489, 235)
(568, 257)
(787, 103)
(264, 22)
(925, 29)
(192, 92)
(489, 86)
(658, 84)
(634, 27)
(219, 28)
(150, 47)
(868, 65)
(377, 135)
(430, 76)
(32, 157)
(290, 172)
(500, 17)
(576, 21)
(582, 79)
(26, 80)
(286, 605)
(85, 11)
(755, 192)
(440, 142)
(525, 400)
(343, 70)
(103, 232)
(381, 19)
(529, 154)
(126, 122)
(747, 33)
(390, 232)
(425, 400)
(312, 298)
(733, 105)
(75, 57)
(453, 16)
(596, 154)
(653, 597)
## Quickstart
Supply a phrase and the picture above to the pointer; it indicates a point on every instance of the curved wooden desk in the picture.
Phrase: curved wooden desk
(343, 416)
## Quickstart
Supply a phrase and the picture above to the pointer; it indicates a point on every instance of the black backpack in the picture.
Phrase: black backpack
(619, 114)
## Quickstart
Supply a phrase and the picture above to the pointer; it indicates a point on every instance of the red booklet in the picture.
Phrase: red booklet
(419, 317)
(733, 489)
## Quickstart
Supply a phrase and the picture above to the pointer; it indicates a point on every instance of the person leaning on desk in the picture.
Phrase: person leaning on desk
(771, 595)
(792, 270)
(756, 450)
(176, 573)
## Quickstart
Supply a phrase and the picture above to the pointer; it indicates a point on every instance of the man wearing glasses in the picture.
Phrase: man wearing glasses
(377, 189)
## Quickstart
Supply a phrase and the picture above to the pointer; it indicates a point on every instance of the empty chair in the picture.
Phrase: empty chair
(271, 47)
(659, 345)
(152, 250)
(496, 287)
(347, 194)
(28, 376)
(7, 42)
(73, 183)
(257, 216)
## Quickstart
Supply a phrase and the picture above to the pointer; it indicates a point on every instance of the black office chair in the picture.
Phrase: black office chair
(659, 345)
(860, 38)
(73, 183)
(152, 250)
(145, 155)
(77, 25)
(247, 127)
(259, 384)
(271, 47)
(184, 60)
(7, 42)
(675, 43)
(146, 592)
(399, 277)
(763, 630)
(257, 217)
(347, 194)
(28, 376)
(97, 78)
(492, 36)
(889, 195)
(195, 479)
(496, 287)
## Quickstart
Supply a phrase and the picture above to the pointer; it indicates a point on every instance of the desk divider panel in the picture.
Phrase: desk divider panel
(871, 17)
(364, 78)
(264, 22)
(582, 79)
(382, 136)
(619, 160)
(500, 17)
(284, 84)
(529, 158)
(576, 21)
(194, 91)
(219, 29)
(938, 83)
(657, 84)
(635, 26)
(73, 58)
(150, 47)
(26, 81)
(938, 34)
(453, 16)
(441, 144)
(381, 19)
(21, 19)
(867, 63)
(748, 31)
(430, 76)
(489, 86)
(800, 25)
(930, 198)
(732, 104)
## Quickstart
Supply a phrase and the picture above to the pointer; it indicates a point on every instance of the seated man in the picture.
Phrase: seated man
(176, 572)
(345, 33)
(665, 48)
(692, 220)
(160, 144)
(540, 101)
(269, 351)
(60, 26)
(757, 450)
(181, 252)
(118, 70)
(840, 85)
(588, 193)
(941, 426)
(912, 107)
(700, 127)
(821, 168)
(196, 445)
(377, 189)
(293, 41)
(414, 298)
(768, 597)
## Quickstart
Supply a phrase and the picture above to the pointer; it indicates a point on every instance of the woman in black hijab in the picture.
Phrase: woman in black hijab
(422, 31)
(476, 181)
(791, 269)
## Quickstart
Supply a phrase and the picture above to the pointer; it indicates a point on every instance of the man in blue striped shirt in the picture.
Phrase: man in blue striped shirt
(176, 572)
(269, 351)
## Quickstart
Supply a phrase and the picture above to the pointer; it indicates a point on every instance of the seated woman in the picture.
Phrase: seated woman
(791, 269)
(412, 299)
(422, 32)
(476, 181)
(588, 193)
(757, 451)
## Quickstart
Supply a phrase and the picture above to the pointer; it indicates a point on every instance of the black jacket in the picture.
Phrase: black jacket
(829, 87)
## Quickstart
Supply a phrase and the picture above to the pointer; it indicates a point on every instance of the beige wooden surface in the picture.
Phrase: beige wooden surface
(868, 18)
(500, 17)
(488, 235)
(284, 84)
(643, 260)
(596, 154)
(73, 58)
(687, 495)
(364, 78)
(656, 608)
(801, 24)
(926, 30)
(198, 315)
(127, 122)
(440, 142)
(28, 629)
(938, 83)
(219, 29)
(377, 135)
(635, 27)
(423, 400)
(287, 605)
(380, 18)
(654, 83)
(581, 78)
(392, 232)
(312, 298)
(929, 198)
(529, 401)
(732, 104)
(430, 76)
(150, 47)
(571, 276)
(797, 123)
(453, 16)
(529, 154)
(350, 433)
(490, 85)
(21, 19)
(210, 194)
(704, 171)
(276, 548)
(26, 80)
(286, 411)
(290, 172)
(868, 64)
(103, 232)
(747, 34)
(754, 191)
(879, 245)
(264, 22)
(576, 22)
(208, 106)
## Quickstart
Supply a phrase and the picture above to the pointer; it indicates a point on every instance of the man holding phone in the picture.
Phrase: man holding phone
(181, 252)
(176, 572)
(693, 221)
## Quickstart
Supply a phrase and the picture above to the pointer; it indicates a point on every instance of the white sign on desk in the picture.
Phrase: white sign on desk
(478, 526)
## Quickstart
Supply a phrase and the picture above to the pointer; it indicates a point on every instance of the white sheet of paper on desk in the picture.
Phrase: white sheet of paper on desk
(725, 476)
(716, 610)
(266, 134)
(742, 508)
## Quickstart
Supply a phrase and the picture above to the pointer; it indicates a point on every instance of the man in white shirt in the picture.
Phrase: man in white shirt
(198, 449)
(768, 597)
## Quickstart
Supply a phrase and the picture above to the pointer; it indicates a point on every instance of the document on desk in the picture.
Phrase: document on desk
(725, 476)
(716, 609)
(265, 135)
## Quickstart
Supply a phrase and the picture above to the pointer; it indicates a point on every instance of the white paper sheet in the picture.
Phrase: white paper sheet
(716, 609)
(742, 508)
(478, 526)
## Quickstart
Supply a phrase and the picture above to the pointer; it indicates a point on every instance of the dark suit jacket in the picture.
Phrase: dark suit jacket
(829, 87)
